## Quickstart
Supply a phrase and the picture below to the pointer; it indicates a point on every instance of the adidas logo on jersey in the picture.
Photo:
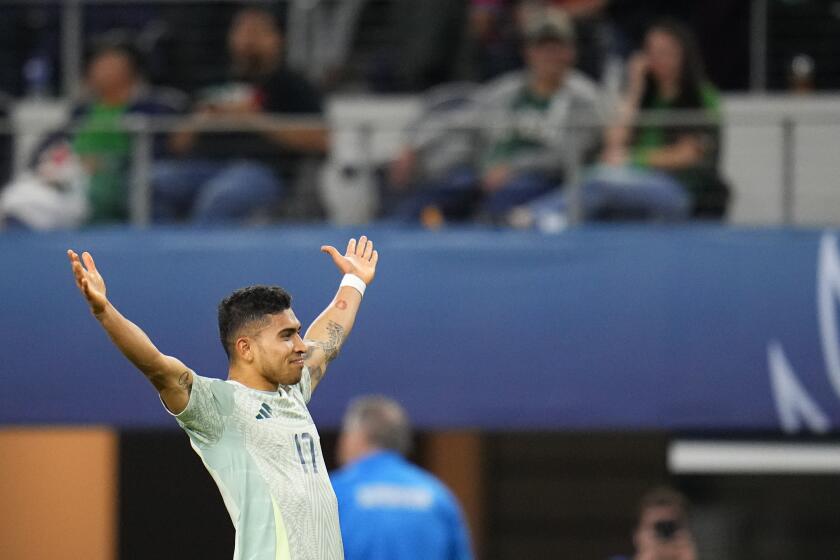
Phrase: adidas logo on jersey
(265, 412)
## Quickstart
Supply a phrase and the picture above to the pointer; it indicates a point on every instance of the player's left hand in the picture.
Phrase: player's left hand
(360, 258)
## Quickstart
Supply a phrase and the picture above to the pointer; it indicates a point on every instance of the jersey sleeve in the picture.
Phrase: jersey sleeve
(202, 419)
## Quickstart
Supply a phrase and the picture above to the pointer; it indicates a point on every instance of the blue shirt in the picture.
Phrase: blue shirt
(392, 510)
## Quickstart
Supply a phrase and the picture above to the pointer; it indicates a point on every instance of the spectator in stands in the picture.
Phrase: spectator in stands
(662, 531)
(115, 80)
(495, 27)
(231, 176)
(530, 123)
(439, 145)
(593, 33)
(52, 191)
(648, 169)
(390, 509)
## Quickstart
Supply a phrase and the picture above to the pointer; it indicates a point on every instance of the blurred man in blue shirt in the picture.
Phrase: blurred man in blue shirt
(390, 509)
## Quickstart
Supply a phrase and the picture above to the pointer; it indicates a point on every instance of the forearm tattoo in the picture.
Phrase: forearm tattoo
(330, 348)
(185, 381)
(332, 345)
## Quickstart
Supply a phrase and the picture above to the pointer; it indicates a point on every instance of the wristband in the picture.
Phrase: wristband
(354, 282)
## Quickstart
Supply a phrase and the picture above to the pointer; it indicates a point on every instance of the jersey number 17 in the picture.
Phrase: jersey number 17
(302, 442)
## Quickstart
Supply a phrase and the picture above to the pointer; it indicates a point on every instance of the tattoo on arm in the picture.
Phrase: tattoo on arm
(335, 332)
(330, 348)
(185, 381)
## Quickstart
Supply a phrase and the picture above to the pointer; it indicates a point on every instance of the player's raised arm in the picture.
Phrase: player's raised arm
(329, 331)
(170, 376)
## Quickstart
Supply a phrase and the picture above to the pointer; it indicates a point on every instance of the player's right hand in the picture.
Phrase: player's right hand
(89, 281)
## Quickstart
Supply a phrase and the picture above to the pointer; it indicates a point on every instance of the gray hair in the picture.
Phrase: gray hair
(383, 421)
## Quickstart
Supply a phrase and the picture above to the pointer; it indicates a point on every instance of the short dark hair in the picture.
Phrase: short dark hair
(120, 43)
(247, 305)
(261, 11)
(664, 496)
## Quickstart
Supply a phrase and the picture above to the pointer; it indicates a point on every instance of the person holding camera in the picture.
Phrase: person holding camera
(662, 531)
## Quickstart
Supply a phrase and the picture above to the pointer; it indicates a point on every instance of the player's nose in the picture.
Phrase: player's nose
(300, 346)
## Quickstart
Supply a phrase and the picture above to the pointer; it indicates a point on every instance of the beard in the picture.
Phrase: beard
(252, 65)
(288, 376)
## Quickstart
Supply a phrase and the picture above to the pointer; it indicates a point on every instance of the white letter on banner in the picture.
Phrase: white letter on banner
(793, 403)
(828, 291)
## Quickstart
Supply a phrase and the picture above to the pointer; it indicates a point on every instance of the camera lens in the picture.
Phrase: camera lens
(666, 529)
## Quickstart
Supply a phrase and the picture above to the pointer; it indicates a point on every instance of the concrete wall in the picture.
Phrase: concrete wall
(753, 157)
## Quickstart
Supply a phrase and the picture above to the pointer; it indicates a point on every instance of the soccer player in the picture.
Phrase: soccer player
(253, 431)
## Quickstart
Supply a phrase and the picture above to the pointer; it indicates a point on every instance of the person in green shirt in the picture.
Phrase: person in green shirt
(117, 89)
(653, 166)
(105, 150)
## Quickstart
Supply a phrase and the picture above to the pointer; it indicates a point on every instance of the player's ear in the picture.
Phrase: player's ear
(243, 349)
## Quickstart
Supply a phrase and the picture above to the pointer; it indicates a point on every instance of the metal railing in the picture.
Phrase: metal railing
(771, 143)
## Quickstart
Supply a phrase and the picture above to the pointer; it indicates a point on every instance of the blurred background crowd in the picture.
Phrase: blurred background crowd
(517, 113)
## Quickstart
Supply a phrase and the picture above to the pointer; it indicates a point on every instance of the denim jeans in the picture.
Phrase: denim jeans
(520, 189)
(654, 194)
(458, 195)
(209, 192)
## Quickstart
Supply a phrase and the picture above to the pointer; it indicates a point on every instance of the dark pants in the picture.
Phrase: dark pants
(458, 196)
(622, 190)
(210, 192)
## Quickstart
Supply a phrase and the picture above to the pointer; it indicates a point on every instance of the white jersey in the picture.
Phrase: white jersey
(264, 453)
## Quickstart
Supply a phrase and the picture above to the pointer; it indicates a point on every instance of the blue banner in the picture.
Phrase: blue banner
(598, 328)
